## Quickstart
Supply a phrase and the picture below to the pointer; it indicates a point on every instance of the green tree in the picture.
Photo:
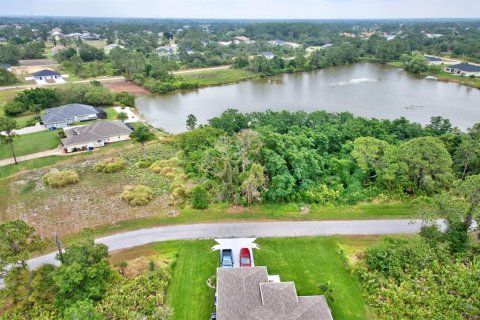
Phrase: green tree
(417, 64)
(82, 310)
(370, 154)
(199, 198)
(6, 77)
(17, 241)
(122, 116)
(467, 156)
(142, 135)
(191, 122)
(125, 99)
(7, 133)
(424, 164)
(83, 273)
(253, 183)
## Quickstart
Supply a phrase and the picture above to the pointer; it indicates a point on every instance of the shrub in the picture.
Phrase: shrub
(110, 165)
(199, 198)
(59, 179)
(125, 99)
(137, 195)
(145, 163)
(394, 257)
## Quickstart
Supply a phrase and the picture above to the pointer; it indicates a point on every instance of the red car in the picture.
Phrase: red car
(245, 260)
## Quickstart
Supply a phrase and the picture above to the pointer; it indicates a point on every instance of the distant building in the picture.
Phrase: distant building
(389, 37)
(433, 59)
(269, 55)
(44, 76)
(465, 69)
(56, 30)
(111, 46)
(291, 45)
(3, 39)
(6, 67)
(276, 42)
(225, 43)
(242, 39)
(348, 34)
(95, 135)
(326, 46)
(63, 116)
(167, 50)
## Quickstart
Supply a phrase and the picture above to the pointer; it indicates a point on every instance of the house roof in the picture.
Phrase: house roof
(268, 54)
(95, 131)
(4, 66)
(432, 58)
(467, 67)
(68, 111)
(246, 294)
(45, 73)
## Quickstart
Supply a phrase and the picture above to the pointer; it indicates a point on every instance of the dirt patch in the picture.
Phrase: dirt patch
(138, 260)
(236, 209)
(36, 62)
(128, 86)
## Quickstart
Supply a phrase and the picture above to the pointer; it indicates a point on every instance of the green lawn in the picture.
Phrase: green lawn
(307, 261)
(218, 77)
(31, 143)
(111, 113)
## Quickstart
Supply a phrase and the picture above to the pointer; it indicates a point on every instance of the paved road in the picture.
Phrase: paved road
(55, 152)
(250, 229)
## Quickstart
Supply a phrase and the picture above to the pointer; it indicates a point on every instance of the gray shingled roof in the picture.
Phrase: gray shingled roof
(68, 111)
(467, 67)
(45, 73)
(246, 294)
(95, 131)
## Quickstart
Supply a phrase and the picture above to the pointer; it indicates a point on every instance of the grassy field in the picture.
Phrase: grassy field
(31, 143)
(307, 261)
(218, 77)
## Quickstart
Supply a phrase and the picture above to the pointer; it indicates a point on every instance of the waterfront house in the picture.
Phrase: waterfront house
(465, 69)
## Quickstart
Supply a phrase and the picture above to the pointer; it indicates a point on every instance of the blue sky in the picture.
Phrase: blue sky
(252, 9)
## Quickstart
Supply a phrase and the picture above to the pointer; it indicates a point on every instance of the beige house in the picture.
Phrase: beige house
(95, 135)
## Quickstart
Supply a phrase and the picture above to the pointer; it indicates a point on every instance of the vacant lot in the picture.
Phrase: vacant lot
(31, 143)
(307, 261)
(122, 85)
(217, 77)
(92, 202)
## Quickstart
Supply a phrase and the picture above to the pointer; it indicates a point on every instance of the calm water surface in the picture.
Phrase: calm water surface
(368, 90)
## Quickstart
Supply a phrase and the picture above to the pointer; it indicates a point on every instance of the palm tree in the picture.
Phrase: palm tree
(142, 135)
(122, 116)
(7, 133)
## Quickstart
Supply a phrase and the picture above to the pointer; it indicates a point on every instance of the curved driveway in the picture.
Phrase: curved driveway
(249, 229)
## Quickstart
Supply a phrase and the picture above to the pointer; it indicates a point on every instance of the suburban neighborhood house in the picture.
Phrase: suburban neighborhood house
(47, 76)
(433, 59)
(63, 116)
(247, 294)
(95, 135)
(465, 69)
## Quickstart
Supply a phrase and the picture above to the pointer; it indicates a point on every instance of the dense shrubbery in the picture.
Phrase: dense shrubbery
(59, 179)
(6, 77)
(125, 99)
(409, 279)
(83, 286)
(199, 198)
(110, 165)
(325, 157)
(172, 170)
(138, 195)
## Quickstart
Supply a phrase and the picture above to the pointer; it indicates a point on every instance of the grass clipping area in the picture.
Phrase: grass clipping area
(60, 179)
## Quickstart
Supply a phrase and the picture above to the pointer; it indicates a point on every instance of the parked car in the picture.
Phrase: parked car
(214, 316)
(245, 259)
(226, 258)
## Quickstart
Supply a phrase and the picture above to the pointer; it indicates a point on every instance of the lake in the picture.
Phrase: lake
(365, 89)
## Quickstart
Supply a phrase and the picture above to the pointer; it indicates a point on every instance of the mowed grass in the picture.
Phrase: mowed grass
(188, 293)
(217, 77)
(31, 143)
(309, 262)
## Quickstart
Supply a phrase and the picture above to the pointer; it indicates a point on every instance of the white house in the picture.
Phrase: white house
(47, 76)
(95, 135)
(433, 59)
(465, 69)
(269, 55)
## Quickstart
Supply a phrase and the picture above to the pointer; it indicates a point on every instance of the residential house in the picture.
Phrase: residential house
(433, 59)
(269, 55)
(251, 294)
(95, 135)
(225, 43)
(465, 69)
(6, 67)
(111, 46)
(45, 76)
(167, 50)
(326, 46)
(63, 116)
(242, 39)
